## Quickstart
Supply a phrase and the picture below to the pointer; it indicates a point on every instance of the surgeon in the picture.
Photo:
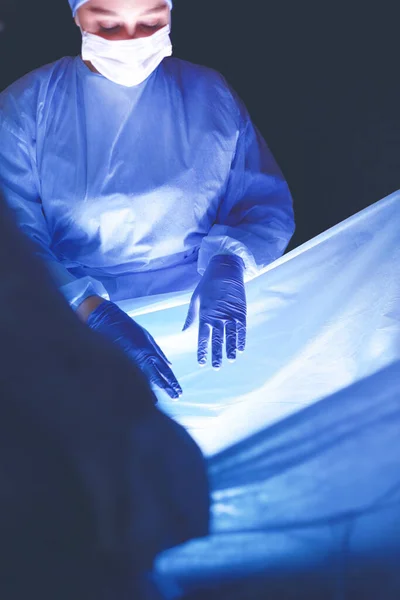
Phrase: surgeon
(135, 174)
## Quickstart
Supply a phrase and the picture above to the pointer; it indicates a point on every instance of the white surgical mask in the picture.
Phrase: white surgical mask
(127, 62)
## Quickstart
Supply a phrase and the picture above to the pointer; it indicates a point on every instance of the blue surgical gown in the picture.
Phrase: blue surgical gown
(129, 192)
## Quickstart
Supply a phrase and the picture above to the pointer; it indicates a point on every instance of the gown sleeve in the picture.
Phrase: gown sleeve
(19, 186)
(255, 219)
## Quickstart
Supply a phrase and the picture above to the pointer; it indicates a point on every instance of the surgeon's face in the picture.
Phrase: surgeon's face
(123, 19)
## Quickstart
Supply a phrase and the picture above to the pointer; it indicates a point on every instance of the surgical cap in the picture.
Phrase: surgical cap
(75, 4)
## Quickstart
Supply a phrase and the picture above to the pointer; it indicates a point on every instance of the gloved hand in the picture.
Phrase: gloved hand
(220, 302)
(111, 321)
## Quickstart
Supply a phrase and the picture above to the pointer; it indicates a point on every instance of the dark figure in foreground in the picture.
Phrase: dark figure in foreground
(94, 480)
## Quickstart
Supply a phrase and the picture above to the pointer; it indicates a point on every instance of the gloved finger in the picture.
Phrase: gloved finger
(191, 314)
(231, 340)
(241, 331)
(217, 345)
(162, 376)
(157, 380)
(204, 338)
(158, 350)
(170, 378)
(162, 355)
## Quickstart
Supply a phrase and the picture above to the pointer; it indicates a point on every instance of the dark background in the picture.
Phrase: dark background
(321, 82)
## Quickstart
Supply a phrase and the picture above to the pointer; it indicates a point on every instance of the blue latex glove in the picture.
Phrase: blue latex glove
(111, 321)
(220, 302)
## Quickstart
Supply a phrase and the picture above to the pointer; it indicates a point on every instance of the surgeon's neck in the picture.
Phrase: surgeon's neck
(90, 66)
